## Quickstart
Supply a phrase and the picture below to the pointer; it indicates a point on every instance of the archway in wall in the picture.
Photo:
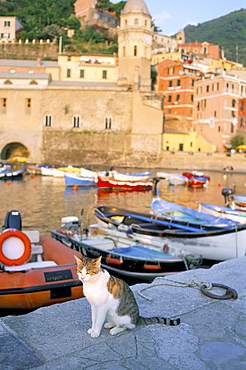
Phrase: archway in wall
(15, 151)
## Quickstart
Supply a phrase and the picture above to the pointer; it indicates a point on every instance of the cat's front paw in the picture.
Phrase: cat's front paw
(89, 331)
(95, 334)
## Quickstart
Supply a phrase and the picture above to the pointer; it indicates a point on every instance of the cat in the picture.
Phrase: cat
(111, 299)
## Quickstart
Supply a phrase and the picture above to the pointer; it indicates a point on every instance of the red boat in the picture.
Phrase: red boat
(197, 182)
(194, 175)
(111, 183)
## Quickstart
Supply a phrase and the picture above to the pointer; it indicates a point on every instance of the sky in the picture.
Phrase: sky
(173, 15)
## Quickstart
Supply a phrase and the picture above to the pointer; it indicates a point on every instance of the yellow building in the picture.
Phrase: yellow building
(88, 67)
(177, 136)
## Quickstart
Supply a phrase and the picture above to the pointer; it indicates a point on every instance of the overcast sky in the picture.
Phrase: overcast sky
(173, 15)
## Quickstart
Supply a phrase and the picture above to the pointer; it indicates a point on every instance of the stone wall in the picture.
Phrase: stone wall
(28, 51)
(113, 149)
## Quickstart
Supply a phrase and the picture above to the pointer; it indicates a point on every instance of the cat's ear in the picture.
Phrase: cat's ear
(98, 261)
(78, 259)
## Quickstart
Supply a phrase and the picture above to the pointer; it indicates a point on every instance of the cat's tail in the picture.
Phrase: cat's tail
(158, 320)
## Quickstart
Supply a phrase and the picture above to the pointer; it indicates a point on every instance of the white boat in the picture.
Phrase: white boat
(120, 176)
(47, 171)
(223, 212)
(216, 244)
(176, 179)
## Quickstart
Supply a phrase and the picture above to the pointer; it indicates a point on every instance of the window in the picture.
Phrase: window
(4, 105)
(169, 98)
(104, 75)
(233, 114)
(82, 73)
(218, 85)
(135, 52)
(6, 23)
(218, 128)
(108, 122)
(125, 22)
(178, 98)
(178, 82)
(233, 103)
(192, 82)
(192, 97)
(232, 128)
(170, 83)
(207, 88)
(47, 120)
(28, 105)
(76, 121)
(215, 113)
(124, 51)
(136, 21)
(181, 147)
(68, 72)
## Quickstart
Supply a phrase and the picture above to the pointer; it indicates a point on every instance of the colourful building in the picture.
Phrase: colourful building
(176, 81)
(216, 108)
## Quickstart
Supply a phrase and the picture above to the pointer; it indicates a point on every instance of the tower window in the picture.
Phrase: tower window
(104, 75)
(135, 51)
(108, 122)
(136, 21)
(47, 120)
(76, 121)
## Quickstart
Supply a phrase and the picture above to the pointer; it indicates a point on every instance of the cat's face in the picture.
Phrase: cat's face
(87, 269)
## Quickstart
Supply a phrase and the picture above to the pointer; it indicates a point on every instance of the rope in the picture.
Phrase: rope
(181, 284)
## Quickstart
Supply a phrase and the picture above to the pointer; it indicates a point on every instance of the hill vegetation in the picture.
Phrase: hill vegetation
(228, 31)
(49, 19)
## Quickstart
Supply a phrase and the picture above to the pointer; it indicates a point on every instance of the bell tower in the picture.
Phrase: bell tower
(135, 35)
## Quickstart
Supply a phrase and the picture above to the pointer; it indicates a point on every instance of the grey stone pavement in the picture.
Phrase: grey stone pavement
(212, 333)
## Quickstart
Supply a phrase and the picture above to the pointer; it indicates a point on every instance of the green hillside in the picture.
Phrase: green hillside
(228, 31)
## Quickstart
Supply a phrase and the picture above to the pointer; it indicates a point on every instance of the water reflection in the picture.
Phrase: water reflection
(43, 201)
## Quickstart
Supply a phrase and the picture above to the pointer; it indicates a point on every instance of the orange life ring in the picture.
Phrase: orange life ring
(26, 243)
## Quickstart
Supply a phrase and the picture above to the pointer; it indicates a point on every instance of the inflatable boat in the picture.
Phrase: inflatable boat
(34, 271)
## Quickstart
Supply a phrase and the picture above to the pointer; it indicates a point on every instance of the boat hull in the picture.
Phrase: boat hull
(73, 180)
(217, 244)
(113, 184)
(28, 289)
(133, 261)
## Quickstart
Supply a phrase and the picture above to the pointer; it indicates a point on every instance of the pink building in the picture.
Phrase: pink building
(216, 110)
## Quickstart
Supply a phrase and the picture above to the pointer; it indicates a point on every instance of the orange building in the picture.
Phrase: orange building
(176, 81)
(201, 48)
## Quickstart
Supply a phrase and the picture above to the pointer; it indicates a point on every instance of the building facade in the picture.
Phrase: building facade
(176, 81)
(91, 111)
(216, 108)
(9, 26)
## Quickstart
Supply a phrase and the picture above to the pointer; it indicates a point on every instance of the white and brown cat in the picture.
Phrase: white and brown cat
(111, 300)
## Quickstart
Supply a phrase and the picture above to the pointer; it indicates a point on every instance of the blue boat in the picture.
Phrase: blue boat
(176, 212)
(11, 175)
(73, 179)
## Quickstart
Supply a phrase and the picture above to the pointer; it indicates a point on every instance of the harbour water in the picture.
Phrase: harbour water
(43, 201)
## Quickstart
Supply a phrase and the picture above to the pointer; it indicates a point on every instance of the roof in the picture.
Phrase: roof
(135, 6)
(25, 75)
(27, 63)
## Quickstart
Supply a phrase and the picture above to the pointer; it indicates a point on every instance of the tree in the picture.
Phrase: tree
(237, 140)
